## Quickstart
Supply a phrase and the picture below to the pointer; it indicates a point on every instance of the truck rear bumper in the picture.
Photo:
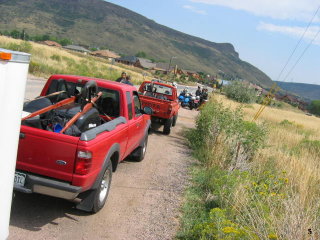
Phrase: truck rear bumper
(159, 120)
(50, 187)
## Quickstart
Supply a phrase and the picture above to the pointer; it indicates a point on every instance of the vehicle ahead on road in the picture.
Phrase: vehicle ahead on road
(163, 100)
(77, 164)
(194, 102)
(189, 100)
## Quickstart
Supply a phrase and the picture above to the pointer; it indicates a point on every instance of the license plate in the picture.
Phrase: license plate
(19, 179)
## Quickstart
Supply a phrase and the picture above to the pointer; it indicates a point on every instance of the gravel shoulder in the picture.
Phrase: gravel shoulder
(143, 203)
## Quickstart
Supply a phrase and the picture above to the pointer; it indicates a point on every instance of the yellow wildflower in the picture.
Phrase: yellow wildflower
(272, 236)
(230, 230)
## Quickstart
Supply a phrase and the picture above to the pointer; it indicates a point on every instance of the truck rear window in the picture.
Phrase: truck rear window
(159, 89)
(109, 103)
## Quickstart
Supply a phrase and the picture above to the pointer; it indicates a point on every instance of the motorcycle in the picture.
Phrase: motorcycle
(184, 99)
(194, 102)
(181, 98)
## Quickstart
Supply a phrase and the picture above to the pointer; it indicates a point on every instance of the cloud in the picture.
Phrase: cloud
(195, 10)
(277, 9)
(293, 31)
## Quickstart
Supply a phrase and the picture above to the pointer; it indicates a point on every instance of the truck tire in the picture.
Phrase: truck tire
(167, 126)
(101, 193)
(174, 121)
(140, 152)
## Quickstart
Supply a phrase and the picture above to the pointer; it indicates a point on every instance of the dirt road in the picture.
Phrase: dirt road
(143, 203)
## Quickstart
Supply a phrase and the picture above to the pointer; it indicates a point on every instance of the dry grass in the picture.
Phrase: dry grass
(299, 211)
(275, 115)
(51, 60)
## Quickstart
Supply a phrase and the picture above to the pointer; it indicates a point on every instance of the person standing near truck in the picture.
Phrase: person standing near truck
(127, 81)
(123, 77)
(198, 92)
(204, 95)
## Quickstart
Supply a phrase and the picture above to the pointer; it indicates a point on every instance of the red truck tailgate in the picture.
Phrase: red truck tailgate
(159, 107)
(47, 153)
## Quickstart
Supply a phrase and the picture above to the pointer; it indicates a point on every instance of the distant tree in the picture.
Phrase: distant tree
(6, 33)
(36, 38)
(315, 107)
(45, 37)
(141, 54)
(15, 34)
(64, 41)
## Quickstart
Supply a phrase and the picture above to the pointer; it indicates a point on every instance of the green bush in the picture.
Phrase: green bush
(240, 139)
(56, 58)
(315, 107)
(240, 92)
(286, 123)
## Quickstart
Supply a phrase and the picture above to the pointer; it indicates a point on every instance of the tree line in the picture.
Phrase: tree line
(17, 34)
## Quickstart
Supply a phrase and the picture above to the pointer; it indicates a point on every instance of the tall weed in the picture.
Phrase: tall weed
(239, 92)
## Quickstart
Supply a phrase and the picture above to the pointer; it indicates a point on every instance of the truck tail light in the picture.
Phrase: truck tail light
(83, 162)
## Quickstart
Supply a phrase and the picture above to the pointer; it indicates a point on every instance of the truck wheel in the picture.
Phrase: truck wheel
(167, 126)
(174, 121)
(102, 192)
(140, 152)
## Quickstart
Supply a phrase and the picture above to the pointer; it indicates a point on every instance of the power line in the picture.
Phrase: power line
(275, 88)
(302, 54)
(298, 43)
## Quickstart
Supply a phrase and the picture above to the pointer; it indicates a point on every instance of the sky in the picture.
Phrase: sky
(265, 33)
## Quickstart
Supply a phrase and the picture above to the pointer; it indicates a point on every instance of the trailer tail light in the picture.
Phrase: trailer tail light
(83, 162)
(5, 56)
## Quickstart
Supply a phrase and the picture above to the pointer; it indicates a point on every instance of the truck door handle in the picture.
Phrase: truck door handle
(22, 135)
(138, 124)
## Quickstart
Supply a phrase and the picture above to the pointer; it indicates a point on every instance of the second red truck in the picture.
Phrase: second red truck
(163, 100)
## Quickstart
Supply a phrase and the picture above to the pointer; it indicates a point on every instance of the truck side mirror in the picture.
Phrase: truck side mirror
(148, 110)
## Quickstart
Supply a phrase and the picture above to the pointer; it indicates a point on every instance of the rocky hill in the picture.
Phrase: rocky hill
(304, 90)
(97, 23)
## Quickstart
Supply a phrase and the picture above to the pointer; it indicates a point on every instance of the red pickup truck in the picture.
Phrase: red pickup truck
(77, 165)
(163, 100)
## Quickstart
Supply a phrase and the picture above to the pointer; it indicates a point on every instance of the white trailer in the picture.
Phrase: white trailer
(13, 77)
